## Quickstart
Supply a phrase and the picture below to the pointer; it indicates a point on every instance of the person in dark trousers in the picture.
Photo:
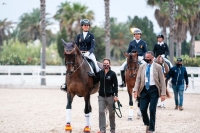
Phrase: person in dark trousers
(149, 86)
(137, 44)
(108, 93)
(178, 74)
(161, 48)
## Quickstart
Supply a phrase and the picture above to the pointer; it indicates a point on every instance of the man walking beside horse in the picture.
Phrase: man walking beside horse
(108, 93)
(149, 86)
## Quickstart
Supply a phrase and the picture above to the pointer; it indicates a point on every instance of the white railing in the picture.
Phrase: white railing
(55, 75)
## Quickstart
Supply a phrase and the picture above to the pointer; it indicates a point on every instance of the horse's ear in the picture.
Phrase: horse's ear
(74, 44)
(64, 43)
(125, 54)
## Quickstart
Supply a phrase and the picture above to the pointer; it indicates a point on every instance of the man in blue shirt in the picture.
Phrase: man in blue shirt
(178, 74)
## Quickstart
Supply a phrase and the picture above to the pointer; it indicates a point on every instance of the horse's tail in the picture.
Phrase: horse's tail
(167, 93)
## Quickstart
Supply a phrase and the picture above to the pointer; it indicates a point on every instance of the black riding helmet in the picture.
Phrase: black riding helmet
(85, 21)
(160, 36)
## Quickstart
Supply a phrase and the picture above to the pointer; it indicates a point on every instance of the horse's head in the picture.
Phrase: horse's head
(132, 62)
(131, 57)
(70, 53)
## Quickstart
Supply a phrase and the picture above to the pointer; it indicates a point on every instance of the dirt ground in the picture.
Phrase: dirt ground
(43, 111)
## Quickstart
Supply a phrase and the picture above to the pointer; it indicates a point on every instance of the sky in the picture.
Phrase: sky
(120, 9)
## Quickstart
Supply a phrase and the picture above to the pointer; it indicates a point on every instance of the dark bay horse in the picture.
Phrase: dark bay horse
(78, 83)
(160, 60)
(130, 77)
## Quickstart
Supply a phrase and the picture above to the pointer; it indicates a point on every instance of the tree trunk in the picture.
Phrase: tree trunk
(107, 28)
(179, 48)
(192, 41)
(164, 32)
(176, 46)
(1, 39)
(172, 25)
(43, 25)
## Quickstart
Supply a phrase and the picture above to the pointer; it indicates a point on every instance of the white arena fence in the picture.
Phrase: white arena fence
(30, 76)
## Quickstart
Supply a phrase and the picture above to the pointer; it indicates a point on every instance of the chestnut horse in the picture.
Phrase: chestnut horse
(160, 60)
(130, 77)
(78, 83)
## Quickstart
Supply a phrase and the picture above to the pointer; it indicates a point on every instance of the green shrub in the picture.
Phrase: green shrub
(16, 53)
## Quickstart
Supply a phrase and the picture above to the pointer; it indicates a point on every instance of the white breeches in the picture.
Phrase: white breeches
(140, 58)
(93, 58)
(167, 60)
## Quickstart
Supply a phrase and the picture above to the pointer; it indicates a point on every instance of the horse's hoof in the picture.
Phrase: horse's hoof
(86, 129)
(68, 128)
(129, 119)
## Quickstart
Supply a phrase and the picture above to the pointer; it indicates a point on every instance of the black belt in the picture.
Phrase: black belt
(107, 95)
(151, 86)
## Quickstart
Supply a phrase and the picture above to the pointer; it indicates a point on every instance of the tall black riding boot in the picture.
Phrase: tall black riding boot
(123, 79)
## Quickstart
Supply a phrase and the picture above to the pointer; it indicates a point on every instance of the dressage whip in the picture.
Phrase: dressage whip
(115, 108)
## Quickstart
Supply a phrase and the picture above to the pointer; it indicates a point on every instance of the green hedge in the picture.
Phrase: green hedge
(16, 53)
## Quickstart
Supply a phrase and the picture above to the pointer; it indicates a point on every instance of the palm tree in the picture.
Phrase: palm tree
(43, 26)
(180, 32)
(69, 16)
(185, 10)
(194, 28)
(166, 19)
(161, 16)
(163, 21)
(5, 26)
(119, 37)
(107, 27)
(29, 26)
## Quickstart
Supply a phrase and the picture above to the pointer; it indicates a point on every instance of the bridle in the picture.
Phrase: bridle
(69, 52)
(134, 69)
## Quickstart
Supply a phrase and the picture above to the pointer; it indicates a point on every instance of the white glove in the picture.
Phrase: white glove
(163, 55)
(86, 54)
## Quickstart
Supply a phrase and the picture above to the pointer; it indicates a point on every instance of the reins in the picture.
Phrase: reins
(117, 108)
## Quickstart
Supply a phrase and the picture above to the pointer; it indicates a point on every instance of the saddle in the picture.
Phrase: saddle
(168, 64)
(91, 63)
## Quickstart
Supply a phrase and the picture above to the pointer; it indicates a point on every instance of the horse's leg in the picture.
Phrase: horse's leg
(87, 112)
(70, 97)
(130, 115)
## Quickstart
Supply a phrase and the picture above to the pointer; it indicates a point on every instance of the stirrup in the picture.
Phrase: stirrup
(62, 87)
(91, 74)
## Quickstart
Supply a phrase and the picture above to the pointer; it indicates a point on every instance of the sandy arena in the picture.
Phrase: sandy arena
(43, 111)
